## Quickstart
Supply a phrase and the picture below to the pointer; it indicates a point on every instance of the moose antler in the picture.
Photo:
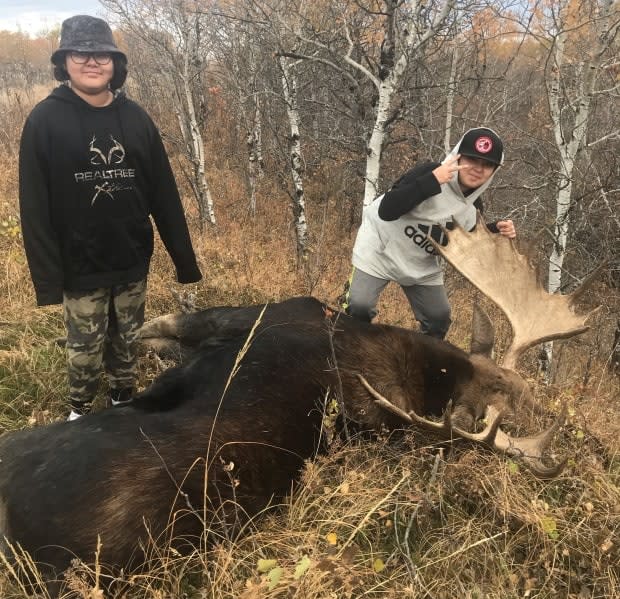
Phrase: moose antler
(493, 264)
(527, 449)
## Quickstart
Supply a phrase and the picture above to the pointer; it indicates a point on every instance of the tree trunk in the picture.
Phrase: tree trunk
(569, 107)
(403, 40)
(450, 93)
(255, 154)
(289, 86)
(196, 151)
(614, 364)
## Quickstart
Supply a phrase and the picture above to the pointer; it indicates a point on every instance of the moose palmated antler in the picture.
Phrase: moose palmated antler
(493, 265)
(529, 450)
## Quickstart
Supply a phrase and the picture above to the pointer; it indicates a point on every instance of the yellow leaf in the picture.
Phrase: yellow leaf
(264, 565)
(332, 538)
(274, 577)
(344, 488)
(378, 565)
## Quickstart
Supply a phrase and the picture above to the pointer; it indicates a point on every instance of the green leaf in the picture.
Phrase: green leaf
(513, 467)
(550, 527)
(302, 566)
(264, 565)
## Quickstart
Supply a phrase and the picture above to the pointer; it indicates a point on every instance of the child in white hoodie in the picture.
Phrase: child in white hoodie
(392, 244)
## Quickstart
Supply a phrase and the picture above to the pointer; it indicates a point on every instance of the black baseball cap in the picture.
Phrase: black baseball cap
(482, 143)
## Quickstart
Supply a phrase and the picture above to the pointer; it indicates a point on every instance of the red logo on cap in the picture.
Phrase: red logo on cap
(483, 144)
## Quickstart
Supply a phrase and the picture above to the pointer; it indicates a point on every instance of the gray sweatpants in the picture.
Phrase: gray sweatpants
(429, 302)
(102, 329)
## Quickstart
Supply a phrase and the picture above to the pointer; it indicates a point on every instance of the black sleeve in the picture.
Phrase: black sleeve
(409, 191)
(40, 240)
(168, 214)
(492, 226)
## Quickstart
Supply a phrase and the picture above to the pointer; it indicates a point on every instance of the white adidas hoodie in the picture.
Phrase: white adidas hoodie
(399, 250)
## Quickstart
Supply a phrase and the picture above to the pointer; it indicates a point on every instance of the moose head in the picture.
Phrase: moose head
(495, 267)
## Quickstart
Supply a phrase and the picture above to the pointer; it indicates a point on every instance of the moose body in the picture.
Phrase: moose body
(239, 425)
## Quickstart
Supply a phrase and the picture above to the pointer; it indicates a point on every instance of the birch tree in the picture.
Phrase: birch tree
(402, 29)
(402, 41)
(580, 40)
(289, 87)
(175, 32)
(273, 38)
(242, 59)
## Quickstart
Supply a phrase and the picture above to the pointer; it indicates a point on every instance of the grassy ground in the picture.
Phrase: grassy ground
(399, 517)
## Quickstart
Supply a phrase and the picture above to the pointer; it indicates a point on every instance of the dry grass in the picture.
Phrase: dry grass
(399, 517)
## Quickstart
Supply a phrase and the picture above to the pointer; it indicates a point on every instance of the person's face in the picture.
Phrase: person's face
(90, 73)
(477, 172)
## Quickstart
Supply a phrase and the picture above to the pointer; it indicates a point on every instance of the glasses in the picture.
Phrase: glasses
(101, 58)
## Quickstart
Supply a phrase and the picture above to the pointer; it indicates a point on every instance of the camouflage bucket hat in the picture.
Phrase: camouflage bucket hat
(84, 33)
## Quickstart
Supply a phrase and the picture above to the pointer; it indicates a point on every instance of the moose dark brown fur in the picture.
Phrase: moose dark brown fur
(130, 473)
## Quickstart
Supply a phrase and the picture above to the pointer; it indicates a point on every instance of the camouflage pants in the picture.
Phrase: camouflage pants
(102, 330)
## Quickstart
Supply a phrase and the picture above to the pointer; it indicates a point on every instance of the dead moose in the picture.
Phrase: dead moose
(226, 432)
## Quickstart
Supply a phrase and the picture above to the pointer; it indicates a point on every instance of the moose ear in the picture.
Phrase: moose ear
(482, 333)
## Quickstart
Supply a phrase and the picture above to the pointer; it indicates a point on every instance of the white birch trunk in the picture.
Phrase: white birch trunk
(255, 155)
(289, 87)
(570, 137)
(258, 138)
(251, 171)
(406, 45)
(375, 145)
(451, 91)
(196, 149)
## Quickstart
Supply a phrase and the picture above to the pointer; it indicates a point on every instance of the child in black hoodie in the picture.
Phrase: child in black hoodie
(93, 169)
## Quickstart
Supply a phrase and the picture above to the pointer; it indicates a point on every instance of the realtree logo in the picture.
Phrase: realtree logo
(115, 155)
(106, 179)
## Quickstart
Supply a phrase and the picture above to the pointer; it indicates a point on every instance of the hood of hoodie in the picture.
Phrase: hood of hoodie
(454, 182)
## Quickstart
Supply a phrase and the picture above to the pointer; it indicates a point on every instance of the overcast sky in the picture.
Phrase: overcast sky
(32, 16)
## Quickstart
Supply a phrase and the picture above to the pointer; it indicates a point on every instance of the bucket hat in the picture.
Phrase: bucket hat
(83, 33)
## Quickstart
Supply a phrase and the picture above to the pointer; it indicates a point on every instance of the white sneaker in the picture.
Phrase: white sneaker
(121, 397)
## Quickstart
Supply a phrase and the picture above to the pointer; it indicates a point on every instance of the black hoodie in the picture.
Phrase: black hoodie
(88, 180)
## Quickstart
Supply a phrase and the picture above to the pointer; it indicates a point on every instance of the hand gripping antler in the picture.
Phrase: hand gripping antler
(492, 263)
(529, 450)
